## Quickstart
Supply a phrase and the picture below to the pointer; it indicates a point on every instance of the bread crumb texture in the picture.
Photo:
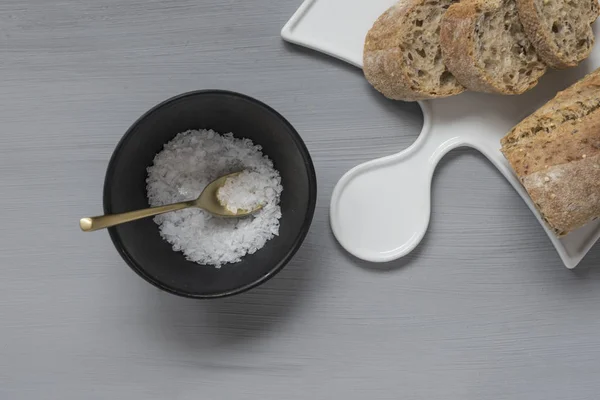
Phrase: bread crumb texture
(561, 30)
(402, 55)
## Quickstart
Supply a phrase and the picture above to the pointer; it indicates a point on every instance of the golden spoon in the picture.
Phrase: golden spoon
(207, 201)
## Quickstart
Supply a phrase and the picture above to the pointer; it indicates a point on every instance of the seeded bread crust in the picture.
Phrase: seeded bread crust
(556, 154)
(570, 141)
(389, 64)
(573, 103)
(540, 32)
(460, 30)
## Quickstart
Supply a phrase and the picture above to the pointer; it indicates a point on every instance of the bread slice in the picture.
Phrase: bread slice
(485, 47)
(402, 55)
(556, 154)
(560, 29)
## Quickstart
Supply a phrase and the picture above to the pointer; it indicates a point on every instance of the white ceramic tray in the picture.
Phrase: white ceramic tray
(395, 228)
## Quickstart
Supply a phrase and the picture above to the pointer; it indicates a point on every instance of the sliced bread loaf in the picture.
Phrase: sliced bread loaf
(560, 29)
(402, 55)
(485, 47)
(556, 154)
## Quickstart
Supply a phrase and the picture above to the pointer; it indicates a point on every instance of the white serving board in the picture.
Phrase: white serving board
(397, 226)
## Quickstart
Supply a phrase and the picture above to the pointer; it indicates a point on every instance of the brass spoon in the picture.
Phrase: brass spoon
(207, 201)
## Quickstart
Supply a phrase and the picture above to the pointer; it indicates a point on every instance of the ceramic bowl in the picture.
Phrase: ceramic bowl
(140, 243)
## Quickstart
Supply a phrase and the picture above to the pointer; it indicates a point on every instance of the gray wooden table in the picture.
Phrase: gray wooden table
(483, 309)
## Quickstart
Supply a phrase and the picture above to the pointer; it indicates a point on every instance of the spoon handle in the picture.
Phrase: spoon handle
(106, 221)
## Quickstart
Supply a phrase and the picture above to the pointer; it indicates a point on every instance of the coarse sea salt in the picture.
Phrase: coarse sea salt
(180, 172)
(247, 191)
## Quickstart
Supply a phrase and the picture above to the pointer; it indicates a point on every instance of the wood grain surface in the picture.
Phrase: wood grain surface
(483, 309)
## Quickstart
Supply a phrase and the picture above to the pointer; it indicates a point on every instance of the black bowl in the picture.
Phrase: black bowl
(140, 244)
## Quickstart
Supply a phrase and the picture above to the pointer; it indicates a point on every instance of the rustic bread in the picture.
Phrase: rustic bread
(560, 29)
(402, 55)
(556, 154)
(485, 47)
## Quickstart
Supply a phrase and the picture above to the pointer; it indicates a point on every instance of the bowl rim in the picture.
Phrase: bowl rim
(304, 229)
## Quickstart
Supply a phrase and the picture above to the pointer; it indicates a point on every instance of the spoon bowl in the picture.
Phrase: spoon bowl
(208, 200)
